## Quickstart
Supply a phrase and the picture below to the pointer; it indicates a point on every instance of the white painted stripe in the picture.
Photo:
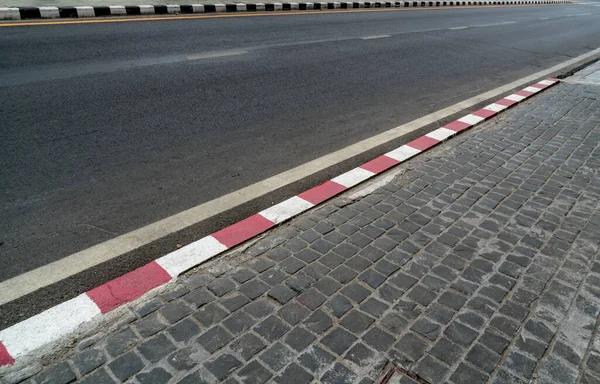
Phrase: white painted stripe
(403, 153)
(456, 28)
(547, 82)
(337, 5)
(294, 6)
(514, 97)
(241, 7)
(49, 326)
(198, 8)
(117, 10)
(323, 6)
(471, 119)
(260, 6)
(495, 107)
(220, 8)
(191, 255)
(49, 12)
(353, 177)
(532, 89)
(173, 8)
(441, 134)
(87, 11)
(286, 209)
(10, 13)
(310, 5)
(277, 6)
(146, 9)
(375, 37)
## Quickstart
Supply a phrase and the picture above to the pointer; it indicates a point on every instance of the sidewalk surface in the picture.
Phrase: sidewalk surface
(476, 264)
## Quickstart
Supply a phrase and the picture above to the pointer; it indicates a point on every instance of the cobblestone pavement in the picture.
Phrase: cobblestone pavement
(477, 264)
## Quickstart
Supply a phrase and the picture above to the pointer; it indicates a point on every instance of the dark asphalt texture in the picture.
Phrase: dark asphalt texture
(107, 128)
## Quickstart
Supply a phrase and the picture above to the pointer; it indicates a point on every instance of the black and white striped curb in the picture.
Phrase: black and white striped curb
(20, 13)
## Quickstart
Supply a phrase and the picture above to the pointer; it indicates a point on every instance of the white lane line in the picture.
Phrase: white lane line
(215, 54)
(455, 28)
(51, 273)
(375, 37)
(544, 18)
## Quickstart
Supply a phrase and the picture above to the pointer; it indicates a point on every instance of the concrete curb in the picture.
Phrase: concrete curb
(48, 327)
(23, 13)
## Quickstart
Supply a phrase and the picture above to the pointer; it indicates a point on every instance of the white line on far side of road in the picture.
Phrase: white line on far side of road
(28, 282)
(375, 37)
(455, 28)
(215, 54)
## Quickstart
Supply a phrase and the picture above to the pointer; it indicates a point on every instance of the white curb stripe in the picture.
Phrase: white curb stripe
(146, 9)
(286, 209)
(353, 177)
(495, 107)
(403, 153)
(117, 10)
(49, 12)
(191, 255)
(532, 89)
(546, 82)
(49, 326)
(441, 134)
(198, 8)
(471, 119)
(514, 97)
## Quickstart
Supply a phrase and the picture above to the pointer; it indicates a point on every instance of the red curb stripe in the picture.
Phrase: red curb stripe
(380, 164)
(128, 287)
(485, 113)
(322, 192)
(423, 142)
(506, 102)
(457, 126)
(539, 85)
(243, 230)
(5, 357)
(524, 93)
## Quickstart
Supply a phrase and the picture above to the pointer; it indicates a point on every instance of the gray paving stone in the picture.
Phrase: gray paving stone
(378, 339)
(155, 376)
(149, 325)
(88, 360)
(318, 322)
(272, 328)
(58, 374)
(97, 377)
(447, 351)
(119, 342)
(339, 305)
(338, 374)
(223, 366)
(248, 345)
(214, 339)
(294, 374)
(338, 340)
(210, 314)
(411, 346)
(299, 338)
(356, 321)
(315, 359)
(432, 369)
(277, 356)
(126, 365)
(254, 373)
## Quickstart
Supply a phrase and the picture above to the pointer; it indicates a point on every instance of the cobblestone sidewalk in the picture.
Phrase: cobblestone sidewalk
(477, 264)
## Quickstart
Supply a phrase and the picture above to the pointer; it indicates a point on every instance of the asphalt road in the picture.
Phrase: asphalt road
(109, 127)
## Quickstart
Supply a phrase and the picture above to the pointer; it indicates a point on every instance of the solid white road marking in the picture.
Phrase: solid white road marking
(495, 107)
(51, 273)
(456, 28)
(441, 134)
(471, 119)
(375, 37)
(403, 153)
(215, 54)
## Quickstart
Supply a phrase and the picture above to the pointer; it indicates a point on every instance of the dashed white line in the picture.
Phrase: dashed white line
(455, 28)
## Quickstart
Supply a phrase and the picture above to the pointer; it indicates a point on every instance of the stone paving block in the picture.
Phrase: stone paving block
(155, 376)
(223, 366)
(272, 328)
(97, 377)
(214, 339)
(294, 374)
(254, 373)
(126, 366)
(247, 345)
(277, 356)
(59, 374)
(88, 360)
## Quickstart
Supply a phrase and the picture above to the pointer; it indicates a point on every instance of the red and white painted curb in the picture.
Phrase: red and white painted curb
(50, 326)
